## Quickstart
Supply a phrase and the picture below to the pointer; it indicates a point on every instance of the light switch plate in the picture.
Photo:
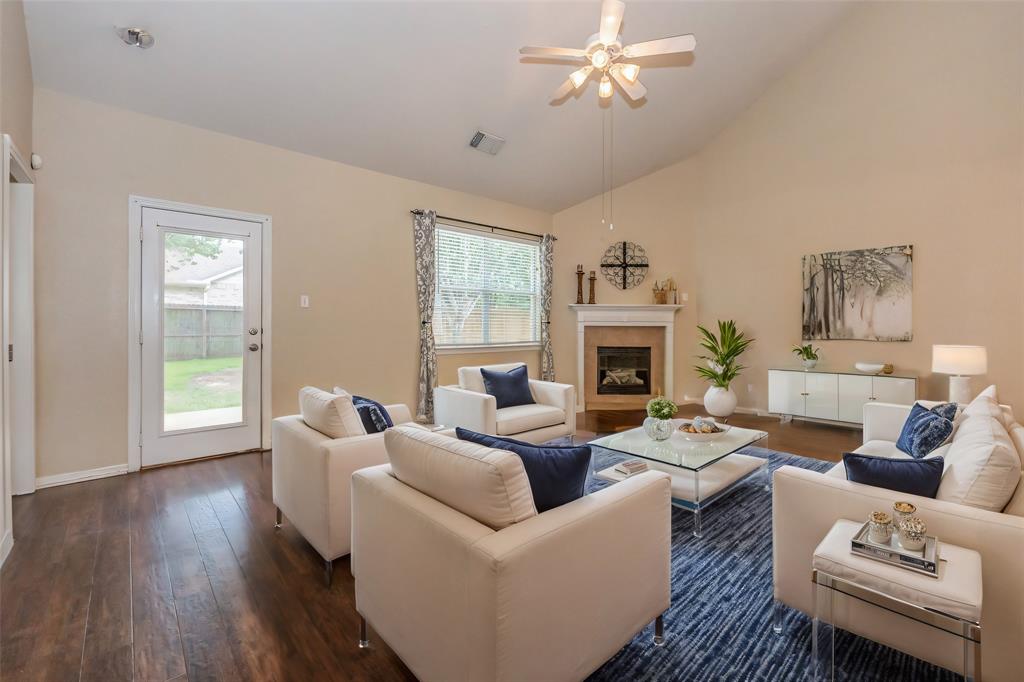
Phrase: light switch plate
(303, 301)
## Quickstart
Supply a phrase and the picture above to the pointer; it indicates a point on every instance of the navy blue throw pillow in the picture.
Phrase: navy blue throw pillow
(373, 415)
(926, 429)
(911, 476)
(557, 474)
(509, 388)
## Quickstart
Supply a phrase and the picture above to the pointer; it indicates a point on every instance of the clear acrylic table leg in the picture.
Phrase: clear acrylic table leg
(972, 659)
(823, 635)
(776, 616)
(696, 511)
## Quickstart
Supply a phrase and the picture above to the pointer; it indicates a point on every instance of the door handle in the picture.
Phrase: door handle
(254, 346)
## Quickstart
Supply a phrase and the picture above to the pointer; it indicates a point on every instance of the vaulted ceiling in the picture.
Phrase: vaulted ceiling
(400, 87)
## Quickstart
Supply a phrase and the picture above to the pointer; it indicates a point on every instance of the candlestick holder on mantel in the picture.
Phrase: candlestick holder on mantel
(593, 279)
(579, 284)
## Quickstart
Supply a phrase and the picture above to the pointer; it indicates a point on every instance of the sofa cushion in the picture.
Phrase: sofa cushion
(332, 414)
(1015, 506)
(471, 379)
(983, 465)
(911, 476)
(523, 418)
(881, 448)
(987, 404)
(926, 429)
(558, 474)
(483, 483)
(509, 388)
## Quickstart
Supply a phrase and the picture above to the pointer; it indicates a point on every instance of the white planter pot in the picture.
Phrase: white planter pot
(810, 364)
(720, 402)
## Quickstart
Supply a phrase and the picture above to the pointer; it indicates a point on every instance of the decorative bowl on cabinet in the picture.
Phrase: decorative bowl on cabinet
(869, 367)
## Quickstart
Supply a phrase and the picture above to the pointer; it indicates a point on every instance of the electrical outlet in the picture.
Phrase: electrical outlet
(303, 301)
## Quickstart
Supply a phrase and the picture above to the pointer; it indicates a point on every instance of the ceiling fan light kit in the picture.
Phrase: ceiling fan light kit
(605, 53)
(136, 37)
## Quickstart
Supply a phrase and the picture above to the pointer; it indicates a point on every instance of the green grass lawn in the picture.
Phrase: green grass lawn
(202, 384)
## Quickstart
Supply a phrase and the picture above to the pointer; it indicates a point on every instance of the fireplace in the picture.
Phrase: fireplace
(623, 370)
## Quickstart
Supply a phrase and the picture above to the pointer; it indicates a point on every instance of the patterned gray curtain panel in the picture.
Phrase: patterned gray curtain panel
(423, 234)
(547, 358)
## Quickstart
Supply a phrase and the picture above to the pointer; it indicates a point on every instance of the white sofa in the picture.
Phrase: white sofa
(468, 405)
(459, 574)
(806, 504)
(312, 473)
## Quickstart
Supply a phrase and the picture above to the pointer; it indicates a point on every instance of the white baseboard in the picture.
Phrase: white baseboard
(6, 545)
(79, 476)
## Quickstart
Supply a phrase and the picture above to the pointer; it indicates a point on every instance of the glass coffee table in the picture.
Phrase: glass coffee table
(701, 471)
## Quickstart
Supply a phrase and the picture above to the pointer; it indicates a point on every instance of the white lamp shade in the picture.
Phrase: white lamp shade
(959, 360)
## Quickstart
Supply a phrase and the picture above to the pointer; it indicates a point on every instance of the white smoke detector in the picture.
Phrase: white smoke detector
(487, 142)
(137, 37)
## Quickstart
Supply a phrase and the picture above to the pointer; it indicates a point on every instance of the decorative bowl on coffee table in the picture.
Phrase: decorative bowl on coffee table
(703, 437)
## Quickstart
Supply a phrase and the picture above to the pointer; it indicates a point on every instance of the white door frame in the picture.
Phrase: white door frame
(135, 206)
(12, 164)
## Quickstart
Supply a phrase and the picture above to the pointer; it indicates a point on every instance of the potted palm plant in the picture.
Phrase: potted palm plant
(808, 355)
(721, 366)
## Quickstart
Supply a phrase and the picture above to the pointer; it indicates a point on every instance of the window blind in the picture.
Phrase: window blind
(488, 289)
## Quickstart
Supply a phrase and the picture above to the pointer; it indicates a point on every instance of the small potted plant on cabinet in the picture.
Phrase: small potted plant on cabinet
(722, 366)
(808, 355)
(658, 425)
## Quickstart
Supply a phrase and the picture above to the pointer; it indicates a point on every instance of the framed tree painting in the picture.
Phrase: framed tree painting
(864, 294)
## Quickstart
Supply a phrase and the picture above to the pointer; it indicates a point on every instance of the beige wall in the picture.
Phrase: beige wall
(342, 235)
(659, 212)
(15, 76)
(884, 134)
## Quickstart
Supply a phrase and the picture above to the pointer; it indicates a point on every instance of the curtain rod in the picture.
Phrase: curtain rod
(492, 228)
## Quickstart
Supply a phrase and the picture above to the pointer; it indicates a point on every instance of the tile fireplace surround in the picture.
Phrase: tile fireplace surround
(626, 326)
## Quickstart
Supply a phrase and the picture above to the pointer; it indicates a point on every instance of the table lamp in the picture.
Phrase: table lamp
(961, 363)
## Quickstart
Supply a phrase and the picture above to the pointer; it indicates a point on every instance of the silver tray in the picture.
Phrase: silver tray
(924, 561)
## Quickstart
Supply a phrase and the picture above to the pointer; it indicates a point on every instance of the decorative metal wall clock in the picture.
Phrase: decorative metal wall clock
(624, 264)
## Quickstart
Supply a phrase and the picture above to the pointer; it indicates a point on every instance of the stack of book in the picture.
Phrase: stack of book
(631, 466)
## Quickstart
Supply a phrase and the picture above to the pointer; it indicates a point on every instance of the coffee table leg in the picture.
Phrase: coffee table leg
(696, 511)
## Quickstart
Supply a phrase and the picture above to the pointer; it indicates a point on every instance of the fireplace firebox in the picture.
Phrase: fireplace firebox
(623, 370)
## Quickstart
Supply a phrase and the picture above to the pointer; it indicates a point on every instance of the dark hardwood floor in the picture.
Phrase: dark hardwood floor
(178, 573)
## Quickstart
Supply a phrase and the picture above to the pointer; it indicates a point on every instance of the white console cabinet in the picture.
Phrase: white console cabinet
(835, 396)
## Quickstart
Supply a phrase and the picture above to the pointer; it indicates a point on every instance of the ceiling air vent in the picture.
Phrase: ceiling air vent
(486, 142)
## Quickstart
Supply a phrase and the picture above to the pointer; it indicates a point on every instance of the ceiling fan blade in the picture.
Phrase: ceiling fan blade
(563, 90)
(611, 20)
(683, 43)
(634, 90)
(552, 52)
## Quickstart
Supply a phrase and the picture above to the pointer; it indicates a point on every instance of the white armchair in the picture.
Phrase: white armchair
(468, 405)
(312, 480)
(464, 580)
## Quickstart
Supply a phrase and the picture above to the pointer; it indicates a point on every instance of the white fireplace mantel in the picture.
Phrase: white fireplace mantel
(622, 315)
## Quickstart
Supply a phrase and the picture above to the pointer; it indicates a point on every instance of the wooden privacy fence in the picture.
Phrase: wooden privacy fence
(196, 331)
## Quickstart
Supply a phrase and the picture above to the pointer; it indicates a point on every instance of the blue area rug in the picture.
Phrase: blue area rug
(719, 624)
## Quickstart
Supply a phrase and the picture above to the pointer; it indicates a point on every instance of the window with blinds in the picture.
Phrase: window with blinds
(488, 289)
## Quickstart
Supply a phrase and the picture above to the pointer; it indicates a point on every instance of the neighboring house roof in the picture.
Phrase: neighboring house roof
(202, 270)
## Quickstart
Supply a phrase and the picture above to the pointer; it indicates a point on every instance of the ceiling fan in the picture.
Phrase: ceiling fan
(607, 55)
